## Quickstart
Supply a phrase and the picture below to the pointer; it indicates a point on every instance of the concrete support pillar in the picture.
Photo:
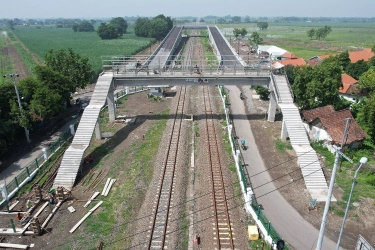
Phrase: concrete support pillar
(71, 126)
(111, 104)
(272, 108)
(284, 131)
(127, 90)
(45, 154)
(35, 225)
(37, 194)
(98, 133)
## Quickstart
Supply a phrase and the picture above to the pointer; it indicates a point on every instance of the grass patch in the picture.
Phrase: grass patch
(283, 145)
(125, 199)
(292, 36)
(88, 44)
(259, 244)
(6, 64)
(345, 174)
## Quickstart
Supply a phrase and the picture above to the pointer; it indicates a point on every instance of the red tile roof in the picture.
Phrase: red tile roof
(293, 62)
(289, 55)
(347, 79)
(347, 84)
(312, 114)
(364, 54)
(335, 123)
(313, 61)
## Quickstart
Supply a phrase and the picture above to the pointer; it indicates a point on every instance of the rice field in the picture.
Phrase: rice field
(88, 44)
(292, 36)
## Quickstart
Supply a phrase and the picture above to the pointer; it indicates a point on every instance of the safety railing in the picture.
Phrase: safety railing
(170, 65)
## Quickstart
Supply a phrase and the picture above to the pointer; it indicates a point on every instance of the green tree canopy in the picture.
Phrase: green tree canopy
(262, 25)
(366, 82)
(356, 69)
(316, 86)
(236, 19)
(157, 28)
(120, 25)
(311, 33)
(84, 26)
(255, 38)
(113, 30)
(76, 68)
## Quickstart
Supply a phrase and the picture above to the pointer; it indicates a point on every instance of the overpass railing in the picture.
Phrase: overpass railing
(135, 65)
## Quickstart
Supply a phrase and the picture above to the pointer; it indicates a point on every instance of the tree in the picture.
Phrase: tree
(255, 38)
(113, 30)
(236, 19)
(243, 32)
(107, 31)
(343, 59)
(56, 82)
(120, 25)
(317, 86)
(221, 21)
(246, 19)
(356, 69)
(366, 116)
(311, 33)
(71, 65)
(366, 82)
(159, 28)
(262, 25)
(43, 102)
(141, 27)
(236, 32)
(11, 24)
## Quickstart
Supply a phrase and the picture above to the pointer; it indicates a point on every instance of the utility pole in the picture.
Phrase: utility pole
(13, 76)
(331, 185)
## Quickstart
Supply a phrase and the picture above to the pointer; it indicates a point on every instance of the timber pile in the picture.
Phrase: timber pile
(94, 179)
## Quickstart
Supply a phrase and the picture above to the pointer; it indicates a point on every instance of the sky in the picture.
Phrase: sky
(177, 8)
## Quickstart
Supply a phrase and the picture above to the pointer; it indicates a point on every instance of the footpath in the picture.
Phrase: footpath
(287, 221)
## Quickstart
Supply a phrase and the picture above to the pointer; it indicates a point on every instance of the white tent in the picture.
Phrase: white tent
(277, 65)
(272, 50)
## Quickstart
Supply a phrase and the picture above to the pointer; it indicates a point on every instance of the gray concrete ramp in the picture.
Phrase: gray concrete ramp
(73, 156)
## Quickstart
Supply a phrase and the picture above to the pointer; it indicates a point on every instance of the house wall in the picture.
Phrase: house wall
(351, 98)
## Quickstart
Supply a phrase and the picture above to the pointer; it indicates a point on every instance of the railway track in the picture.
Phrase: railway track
(222, 226)
(161, 211)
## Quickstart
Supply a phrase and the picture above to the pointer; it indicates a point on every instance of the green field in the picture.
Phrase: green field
(292, 36)
(88, 44)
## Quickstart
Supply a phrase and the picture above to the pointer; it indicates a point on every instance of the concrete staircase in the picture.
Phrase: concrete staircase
(73, 156)
(307, 158)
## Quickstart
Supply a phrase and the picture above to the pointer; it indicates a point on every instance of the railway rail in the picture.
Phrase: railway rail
(223, 229)
(159, 221)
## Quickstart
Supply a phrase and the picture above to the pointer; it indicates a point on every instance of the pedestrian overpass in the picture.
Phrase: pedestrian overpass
(166, 67)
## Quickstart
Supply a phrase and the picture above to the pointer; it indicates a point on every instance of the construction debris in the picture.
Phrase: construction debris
(91, 198)
(71, 209)
(10, 245)
(85, 217)
(108, 186)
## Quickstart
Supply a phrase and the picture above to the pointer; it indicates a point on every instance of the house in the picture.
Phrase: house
(364, 54)
(293, 62)
(326, 124)
(348, 90)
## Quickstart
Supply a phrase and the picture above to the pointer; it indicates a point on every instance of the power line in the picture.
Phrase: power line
(241, 204)
(196, 211)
